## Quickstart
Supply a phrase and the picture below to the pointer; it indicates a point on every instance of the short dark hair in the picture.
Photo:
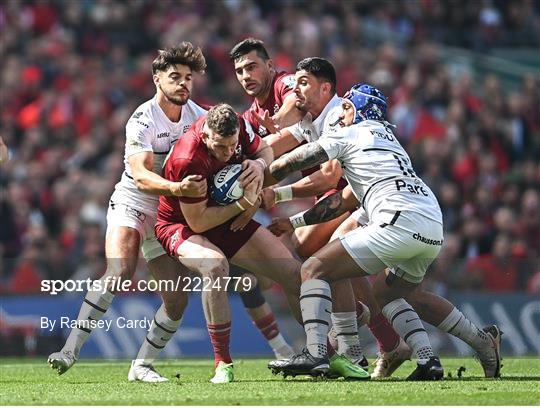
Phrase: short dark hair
(185, 54)
(246, 46)
(320, 68)
(223, 120)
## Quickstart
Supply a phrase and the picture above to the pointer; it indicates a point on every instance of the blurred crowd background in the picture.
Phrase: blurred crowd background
(462, 79)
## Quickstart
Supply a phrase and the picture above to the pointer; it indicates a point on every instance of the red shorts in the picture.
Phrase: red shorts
(172, 235)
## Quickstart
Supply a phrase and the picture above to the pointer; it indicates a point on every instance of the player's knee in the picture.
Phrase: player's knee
(304, 249)
(215, 268)
(120, 270)
(312, 268)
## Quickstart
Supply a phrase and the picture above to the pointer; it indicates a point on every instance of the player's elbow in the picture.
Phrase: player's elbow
(140, 183)
(197, 226)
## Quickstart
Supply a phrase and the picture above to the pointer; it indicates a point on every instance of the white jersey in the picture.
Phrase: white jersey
(379, 170)
(310, 130)
(150, 130)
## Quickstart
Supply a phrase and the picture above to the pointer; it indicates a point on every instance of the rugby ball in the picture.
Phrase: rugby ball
(225, 187)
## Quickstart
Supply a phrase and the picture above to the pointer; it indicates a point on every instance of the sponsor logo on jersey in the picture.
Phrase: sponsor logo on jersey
(164, 134)
(429, 241)
(142, 124)
(289, 81)
(137, 115)
(135, 143)
(185, 128)
(307, 132)
(262, 131)
(411, 188)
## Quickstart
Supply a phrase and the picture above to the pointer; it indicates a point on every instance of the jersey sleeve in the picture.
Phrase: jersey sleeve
(297, 132)
(248, 138)
(138, 135)
(180, 169)
(335, 143)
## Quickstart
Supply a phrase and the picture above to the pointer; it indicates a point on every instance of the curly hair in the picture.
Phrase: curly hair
(185, 54)
(223, 120)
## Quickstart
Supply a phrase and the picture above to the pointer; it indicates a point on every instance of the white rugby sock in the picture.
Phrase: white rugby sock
(316, 305)
(409, 327)
(345, 326)
(94, 306)
(161, 331)
(458, 325)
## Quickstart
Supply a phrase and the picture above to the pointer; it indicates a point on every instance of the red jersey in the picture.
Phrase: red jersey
(282, 85)
(190, 156)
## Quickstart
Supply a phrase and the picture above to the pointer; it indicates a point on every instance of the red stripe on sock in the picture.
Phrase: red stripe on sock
(329, 349)
(268, 326)
(220, 335)
(386, 337)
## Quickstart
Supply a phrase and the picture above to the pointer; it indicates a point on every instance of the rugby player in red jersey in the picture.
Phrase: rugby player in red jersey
(197, 230)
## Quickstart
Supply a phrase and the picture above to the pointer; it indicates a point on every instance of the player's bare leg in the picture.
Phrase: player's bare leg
(122, 252)
(439, 312)
(333, 263)
(309, 239)
(265, 255)
(393, 351)
(203, 257)
(263, 317)
(165, 321)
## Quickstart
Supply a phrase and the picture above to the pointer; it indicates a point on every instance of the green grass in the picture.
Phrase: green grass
(32, 382)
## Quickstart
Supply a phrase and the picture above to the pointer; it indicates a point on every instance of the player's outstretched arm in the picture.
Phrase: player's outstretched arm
(316, 183)
(151, 183)
(303, 157)
(325, 210)
(281, 142)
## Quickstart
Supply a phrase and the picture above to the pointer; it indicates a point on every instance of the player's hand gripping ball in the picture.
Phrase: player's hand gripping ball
(225, 187)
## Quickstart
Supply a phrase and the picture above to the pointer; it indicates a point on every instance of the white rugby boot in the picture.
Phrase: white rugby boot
(388, 362)
(490, 357)
(144, 372)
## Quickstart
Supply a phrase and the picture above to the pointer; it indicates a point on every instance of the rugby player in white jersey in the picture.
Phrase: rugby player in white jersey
(316, 96)
(404, 234)
(150, 133)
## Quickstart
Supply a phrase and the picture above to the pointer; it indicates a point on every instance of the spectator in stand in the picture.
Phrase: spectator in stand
(72, 72)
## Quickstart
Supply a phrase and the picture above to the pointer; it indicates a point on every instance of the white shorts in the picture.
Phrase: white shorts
(405, 242)
(122, 215)
(360, 216)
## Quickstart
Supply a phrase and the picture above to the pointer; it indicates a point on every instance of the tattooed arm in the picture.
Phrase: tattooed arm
(327, 209)
(301, 158)
(331, 207)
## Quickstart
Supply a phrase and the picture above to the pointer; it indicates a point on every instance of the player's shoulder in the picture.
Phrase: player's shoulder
(284, 78)
(143, 117)
(246, 128)
(195, 108)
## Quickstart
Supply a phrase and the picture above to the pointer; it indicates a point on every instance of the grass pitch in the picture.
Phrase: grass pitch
(32, 382)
